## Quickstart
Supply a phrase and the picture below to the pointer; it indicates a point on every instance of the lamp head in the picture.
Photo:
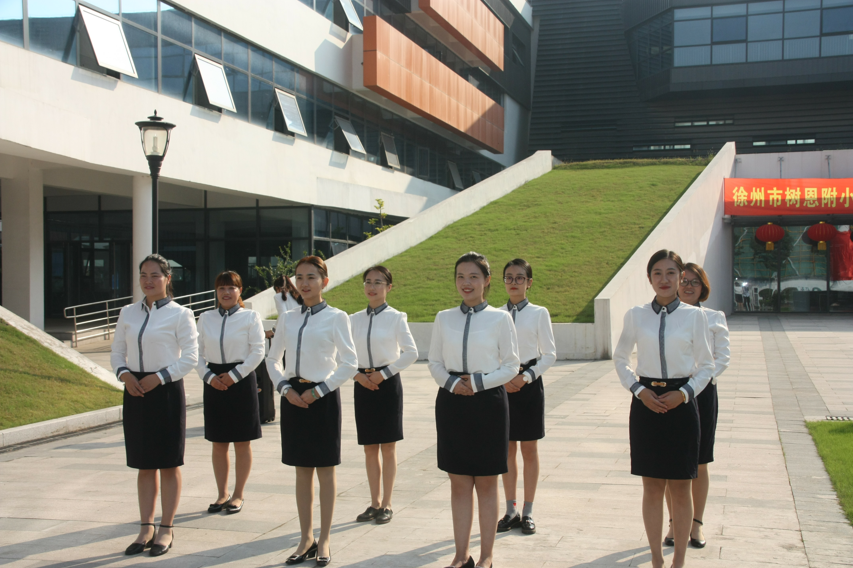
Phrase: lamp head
(155, 135)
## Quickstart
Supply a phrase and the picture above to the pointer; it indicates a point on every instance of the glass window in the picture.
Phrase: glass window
(802, 48)
(52, 30)
(262, 99)
(290, 109)
(232, 223)
(692, 33)
(352, 16)
(304, 83)
(730, 10)
(389, 148)
(285, 75)
(110, 6)
(108, 42)
(12, 22)
(321, 223)
(455, 178)
(765, 7)
(765, 27)
(838, 20)
(142, 12)
(765, 51)
(181, 224)
(729, 29)
(239, 84)
(143, 48)
(325, 126)
(802, 24)
(791, 5)
(423, 162)
(236, 52)
(692, 13)
(285, 224)
(215, 83)
(323, 248)
(371, 142)
(177, 74)
(729, 53)
(354, 232)
(837, 45)
(306, 108)
(686, 56)
(350, 134)
(261, 64)
(831, 3)
(339, 225)
(207, 38)
(176, 24)
(411, 157)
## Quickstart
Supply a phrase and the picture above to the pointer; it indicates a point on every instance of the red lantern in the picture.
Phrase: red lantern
(821, 233)
(769, 234)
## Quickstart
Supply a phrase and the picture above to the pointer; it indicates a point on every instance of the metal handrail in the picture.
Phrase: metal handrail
(83, 322)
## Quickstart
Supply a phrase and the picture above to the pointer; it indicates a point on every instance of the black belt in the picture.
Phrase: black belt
(369, 370)
(525, 366)
(664, 384)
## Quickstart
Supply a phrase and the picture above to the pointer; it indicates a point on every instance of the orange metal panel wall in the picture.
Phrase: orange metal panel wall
(473, 24)
(398, 69)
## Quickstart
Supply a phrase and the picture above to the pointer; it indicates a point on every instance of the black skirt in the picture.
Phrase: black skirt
(473, 432)
(708, 410)
(664, 446)
(311, 437)
(527, 410)
(379, 413)
(232, 415)
(155, 426)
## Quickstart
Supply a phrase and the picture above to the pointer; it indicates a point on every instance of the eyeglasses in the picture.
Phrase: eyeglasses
(374, 283)
(693, 282)
(517, 279)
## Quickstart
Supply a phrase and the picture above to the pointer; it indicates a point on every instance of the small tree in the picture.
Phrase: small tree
(281, 265)
(380, 206)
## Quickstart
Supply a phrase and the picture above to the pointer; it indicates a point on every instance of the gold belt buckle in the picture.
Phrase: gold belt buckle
(658, 383)
(368, 371)
(304, 381)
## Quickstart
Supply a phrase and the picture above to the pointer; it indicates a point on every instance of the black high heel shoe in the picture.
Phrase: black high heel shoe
(300, 558)
(695, 542)
(325, 560)
(160, 549)
(217, 507)
(668, 540)
(231, 509)
(138, 547)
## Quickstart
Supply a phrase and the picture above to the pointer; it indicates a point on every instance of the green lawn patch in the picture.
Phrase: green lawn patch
(37, 384)
(834, 441)
(576, 225)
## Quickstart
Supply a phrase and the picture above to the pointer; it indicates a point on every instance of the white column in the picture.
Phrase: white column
(142, 212)
(23, 243)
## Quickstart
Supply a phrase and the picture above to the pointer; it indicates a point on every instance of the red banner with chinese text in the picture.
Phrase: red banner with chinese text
(759, 197)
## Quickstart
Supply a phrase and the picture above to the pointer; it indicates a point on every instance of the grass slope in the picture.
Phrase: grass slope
(834, 441)
(576, 225)
(37, 384)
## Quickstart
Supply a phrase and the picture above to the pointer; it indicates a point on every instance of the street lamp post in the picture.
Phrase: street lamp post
(155, 136)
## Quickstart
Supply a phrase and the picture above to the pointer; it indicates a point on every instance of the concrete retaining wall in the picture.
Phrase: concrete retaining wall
(693, 228)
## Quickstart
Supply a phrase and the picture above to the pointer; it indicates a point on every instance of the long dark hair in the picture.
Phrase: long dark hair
(287, 287)
(165, 268)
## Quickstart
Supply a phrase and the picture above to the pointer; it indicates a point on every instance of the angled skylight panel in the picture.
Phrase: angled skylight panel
(454, 173)
(478, 177)
(290, 110)
(390, 149)
(215, 83)
(352, 15)
(108, 42)
(352, 137)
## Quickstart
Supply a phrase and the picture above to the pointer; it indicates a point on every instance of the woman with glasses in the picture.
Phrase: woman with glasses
(385, 347)
(472, 354)
(674, 364)
(696, 288)
(321, 357)
(154, 347)
(230, 346)
(525, 392)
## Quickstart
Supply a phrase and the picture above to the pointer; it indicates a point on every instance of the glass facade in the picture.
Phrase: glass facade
(163, 40)
(795, 276)
(740, 33)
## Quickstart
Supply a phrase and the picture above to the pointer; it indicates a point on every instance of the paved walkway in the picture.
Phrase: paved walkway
(72, 502)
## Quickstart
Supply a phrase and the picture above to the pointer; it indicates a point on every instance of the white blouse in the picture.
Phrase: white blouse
(672, 342)
(230, 336)
(535, 337)
(282, 305)
(382, 339)
(319, 349)
(162, 340)
(480, 341)
(719, 329)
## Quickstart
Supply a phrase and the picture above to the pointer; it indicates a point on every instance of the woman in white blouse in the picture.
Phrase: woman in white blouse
(385, 347)
(286, 299)
(695, 288)
(154, 347)
(320, 358)
(526, 392)
(472, 354)
(674, 364)
(230, 347)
